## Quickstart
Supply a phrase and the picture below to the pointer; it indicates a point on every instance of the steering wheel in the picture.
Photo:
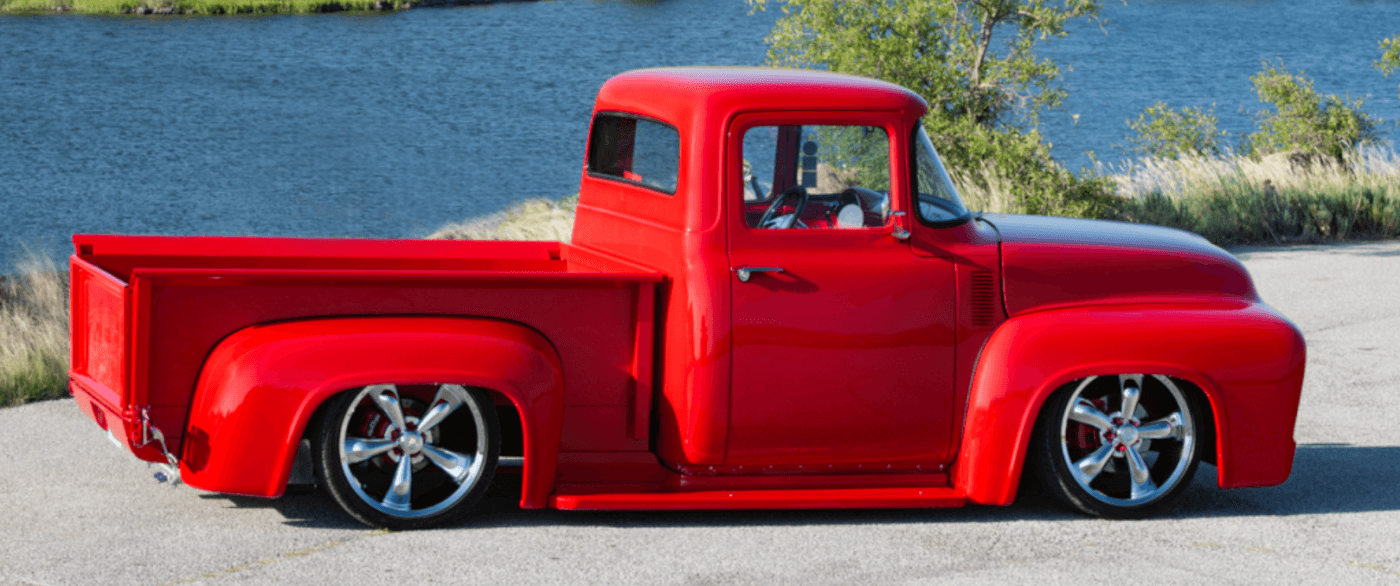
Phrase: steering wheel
(796, 191)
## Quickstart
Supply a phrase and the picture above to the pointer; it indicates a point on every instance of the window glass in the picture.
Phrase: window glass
(938, 200)
(828, 176)
(636, 150)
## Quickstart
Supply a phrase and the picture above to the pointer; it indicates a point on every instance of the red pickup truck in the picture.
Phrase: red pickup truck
(773, 298)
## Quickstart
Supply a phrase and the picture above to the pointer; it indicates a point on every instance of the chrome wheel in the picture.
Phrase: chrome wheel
(406, 460)
(1118, 446)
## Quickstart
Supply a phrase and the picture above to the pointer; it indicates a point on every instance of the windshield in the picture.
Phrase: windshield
(938, 200)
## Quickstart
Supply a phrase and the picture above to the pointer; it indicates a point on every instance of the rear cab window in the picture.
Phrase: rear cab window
(636, 150)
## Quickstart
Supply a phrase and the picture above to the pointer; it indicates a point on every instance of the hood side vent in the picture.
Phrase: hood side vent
(983, 298)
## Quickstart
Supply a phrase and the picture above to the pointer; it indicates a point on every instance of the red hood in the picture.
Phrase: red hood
(1050, 262)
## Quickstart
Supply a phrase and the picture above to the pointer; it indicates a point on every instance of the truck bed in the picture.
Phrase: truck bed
(148, 310)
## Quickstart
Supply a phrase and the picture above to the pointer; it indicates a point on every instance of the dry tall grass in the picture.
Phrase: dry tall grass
(988, 191)
(33, 333)
(1279, 198)
(535, 219)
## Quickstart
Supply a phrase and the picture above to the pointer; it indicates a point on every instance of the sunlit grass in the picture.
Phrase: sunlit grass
(33, 333)
(535, 219)
(1239, 200)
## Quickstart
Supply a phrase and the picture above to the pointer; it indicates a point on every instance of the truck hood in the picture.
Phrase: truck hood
(1056, 262)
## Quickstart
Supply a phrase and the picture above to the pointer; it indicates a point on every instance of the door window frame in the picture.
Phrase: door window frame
(733, 197)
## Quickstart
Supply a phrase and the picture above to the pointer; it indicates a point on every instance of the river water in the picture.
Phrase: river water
(390, 125)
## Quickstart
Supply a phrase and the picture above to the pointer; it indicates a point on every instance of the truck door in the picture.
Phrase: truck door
(842, 337)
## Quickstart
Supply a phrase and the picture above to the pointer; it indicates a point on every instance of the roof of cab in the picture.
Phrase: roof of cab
(676, 93)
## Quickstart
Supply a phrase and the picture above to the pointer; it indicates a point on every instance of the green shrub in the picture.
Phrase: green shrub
(1166, 133)
(1390, 56)
(1304, 120)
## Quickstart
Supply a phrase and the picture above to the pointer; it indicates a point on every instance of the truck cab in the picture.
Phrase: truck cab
(823, 247)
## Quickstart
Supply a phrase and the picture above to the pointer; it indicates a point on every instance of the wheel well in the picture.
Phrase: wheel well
(1207, 425)
(512, 428)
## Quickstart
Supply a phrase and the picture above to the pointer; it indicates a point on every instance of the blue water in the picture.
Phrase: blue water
(390, 125)
(1201, 53)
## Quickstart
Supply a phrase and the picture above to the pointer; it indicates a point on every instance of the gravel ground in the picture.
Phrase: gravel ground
(77, 510)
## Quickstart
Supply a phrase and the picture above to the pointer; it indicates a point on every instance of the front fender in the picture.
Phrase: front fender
(1246, 359)
(260, 387)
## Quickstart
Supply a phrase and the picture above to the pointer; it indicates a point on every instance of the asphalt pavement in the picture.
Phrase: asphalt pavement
(75, 509)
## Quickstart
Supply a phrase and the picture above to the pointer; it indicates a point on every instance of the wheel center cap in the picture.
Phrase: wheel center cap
(1127, 435)
(411, 442)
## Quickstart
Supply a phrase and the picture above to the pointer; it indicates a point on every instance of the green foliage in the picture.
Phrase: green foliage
(1239, 212)
(1243, 200)
(942, 49)
(860, 152)
(1305, 120)
(1166, 133)
(981, 93)
(1390, 55)
(996, 160)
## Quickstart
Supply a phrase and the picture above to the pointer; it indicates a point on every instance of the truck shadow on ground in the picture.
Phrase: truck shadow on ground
(1327, 478)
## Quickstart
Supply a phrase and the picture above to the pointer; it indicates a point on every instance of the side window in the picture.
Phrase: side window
(938, 199)
(828, 176)
(635, 150)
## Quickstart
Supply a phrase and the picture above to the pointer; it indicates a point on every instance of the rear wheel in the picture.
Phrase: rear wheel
(410, 459)
(1117, 446)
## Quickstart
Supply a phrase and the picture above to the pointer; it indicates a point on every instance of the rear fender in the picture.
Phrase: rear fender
(1247, 360)
(260, 387)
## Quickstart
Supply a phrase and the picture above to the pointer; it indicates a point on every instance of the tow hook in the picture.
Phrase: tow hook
(169, 472)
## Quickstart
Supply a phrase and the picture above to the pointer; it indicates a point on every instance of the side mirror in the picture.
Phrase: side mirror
(900, 230)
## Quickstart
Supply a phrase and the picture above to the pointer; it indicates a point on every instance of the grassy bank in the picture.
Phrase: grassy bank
(217, 7)
(1233, 200)
(1276, 200)
(33, 333)
(535, 219)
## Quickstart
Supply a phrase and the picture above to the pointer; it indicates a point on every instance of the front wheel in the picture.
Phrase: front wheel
(1117, 446)
(407, 460)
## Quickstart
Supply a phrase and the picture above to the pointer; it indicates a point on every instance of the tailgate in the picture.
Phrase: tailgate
(100, 371)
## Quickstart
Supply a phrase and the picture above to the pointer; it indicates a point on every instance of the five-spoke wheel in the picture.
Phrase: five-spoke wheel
(1117, 446)
(405, 461)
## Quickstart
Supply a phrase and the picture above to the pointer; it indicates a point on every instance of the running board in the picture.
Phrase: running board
(827, 498)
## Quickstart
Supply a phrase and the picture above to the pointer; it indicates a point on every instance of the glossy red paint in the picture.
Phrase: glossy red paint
(683, 235)
(184, 296)
(1246, 359)
(876, 370)
(260, 386)
(819, 498)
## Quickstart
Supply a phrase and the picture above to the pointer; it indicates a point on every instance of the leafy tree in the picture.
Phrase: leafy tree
(1390, 55)
(1166, 133)
(1306, 120)
(973, 61)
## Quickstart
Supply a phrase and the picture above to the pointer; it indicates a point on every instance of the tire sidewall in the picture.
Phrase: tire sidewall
(1053, 472)
(326, 453)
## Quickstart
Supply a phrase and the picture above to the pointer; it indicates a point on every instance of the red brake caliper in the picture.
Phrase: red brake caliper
(374, 426)
(1086, 437)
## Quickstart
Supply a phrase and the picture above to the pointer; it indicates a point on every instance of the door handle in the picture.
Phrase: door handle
(745, 273)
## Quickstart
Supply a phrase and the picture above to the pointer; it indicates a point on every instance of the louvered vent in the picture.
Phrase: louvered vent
(983, 299)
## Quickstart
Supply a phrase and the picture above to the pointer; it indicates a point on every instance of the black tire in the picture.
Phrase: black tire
(1080, 449)
(451, 438)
